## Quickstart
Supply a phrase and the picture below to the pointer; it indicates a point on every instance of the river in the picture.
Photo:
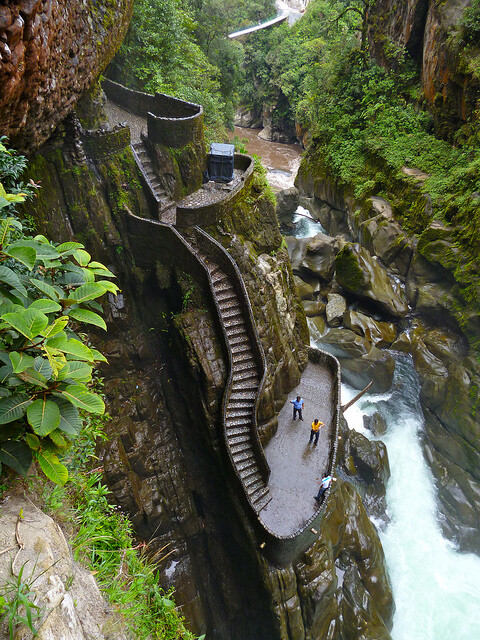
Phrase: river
(436, 588)
(281, 160)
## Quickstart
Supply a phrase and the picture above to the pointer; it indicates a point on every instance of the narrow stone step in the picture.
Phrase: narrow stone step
(240, 448)
(246, 374)
(243, 456)
(244, 387)
(251, 479)
(243, 403)
(226, 295)
(244, 438)
(231, 312)
(237, 422)
(240, 347)
(238, 339)
(240, 393)
(262, 502)
(255, 486)
(219, 277)
(222, 285)
(241, 360)
(247, 467)
(243, 412)
(237, 431)
(237, 331)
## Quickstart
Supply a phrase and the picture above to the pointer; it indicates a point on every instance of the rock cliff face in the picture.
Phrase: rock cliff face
(429, 31)
(445, 356)
(166, 463)
(50, 52)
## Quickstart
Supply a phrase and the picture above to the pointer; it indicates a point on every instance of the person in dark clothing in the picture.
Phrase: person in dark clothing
(297, 407)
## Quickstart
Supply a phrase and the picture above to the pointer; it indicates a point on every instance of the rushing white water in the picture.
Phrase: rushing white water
(436, 589)
(304, 226)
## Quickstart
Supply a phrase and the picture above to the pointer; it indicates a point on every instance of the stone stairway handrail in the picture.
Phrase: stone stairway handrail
(152, 198)
(215, 250)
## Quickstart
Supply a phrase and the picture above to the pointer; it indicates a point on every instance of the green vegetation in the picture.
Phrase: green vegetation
(180, 48)
(47, 293)
(51, 412)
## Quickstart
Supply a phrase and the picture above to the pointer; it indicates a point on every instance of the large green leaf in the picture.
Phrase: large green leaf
(70, 422)
(13, 407)
(45, 306)
(97, 356)
(43, 367)
(10, 277)
(17, 455)
(98, 267)
(52, 468)
(28, 322)
(44, 416)
(88, 291)
(46, 288)
(20, 361)
(67, 248)
(109, 286)
(82, 398)
(33, 441)
(21, 253)
(70, 347)
(45, 252)
(82, 257)
(56, 327)
(58, 439)
(33, 377)
(90, 317)
(75, 370)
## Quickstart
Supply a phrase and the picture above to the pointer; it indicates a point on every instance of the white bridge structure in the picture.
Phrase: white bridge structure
(257, 27)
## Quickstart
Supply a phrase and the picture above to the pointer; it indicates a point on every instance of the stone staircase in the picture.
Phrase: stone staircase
(244, 387)
(166, 206)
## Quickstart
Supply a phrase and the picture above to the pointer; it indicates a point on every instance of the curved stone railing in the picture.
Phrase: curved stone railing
(103, 143)
(210, 213)
(282, 550)
(171, 122)
(214, 250)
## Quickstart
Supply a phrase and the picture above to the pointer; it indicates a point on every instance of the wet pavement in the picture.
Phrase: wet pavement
(116, 115)
(294, 463)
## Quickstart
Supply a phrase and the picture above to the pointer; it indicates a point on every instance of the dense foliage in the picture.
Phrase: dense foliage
(47, 292)
(181, 48)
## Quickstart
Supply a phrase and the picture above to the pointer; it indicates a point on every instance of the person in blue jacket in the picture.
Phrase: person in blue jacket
(297, 407)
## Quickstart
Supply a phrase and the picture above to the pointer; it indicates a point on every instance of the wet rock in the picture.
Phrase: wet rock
(375, 423)
(348, 540)
(344, 343)
(304, 290)
(402, 343)
(314, 308)
(319, 259)
(375, 366)
(287, 201)
(248, 119)
(358, 273)
(317, 327)
(377, 230)
(335, 309)
(367, 460)
(380, 334)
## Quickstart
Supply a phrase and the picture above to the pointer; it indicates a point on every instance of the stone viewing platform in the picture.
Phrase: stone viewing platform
(292, 504)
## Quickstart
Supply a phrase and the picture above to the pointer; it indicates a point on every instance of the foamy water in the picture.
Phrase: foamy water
(436, 588)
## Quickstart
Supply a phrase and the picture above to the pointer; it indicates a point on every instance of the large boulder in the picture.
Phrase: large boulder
(378, 231)
(360, 274)
(314, 257)
(375, 366)
(336, 307)
(287, 201)
(381, 334)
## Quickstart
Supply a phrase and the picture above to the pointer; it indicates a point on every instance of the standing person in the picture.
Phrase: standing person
(324, 485)
(297, 407)
(315, 432)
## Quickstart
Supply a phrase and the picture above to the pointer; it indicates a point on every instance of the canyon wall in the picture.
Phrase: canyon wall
(431, 33)
(50, 52)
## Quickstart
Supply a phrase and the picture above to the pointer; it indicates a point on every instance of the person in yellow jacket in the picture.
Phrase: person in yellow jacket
(315, 432)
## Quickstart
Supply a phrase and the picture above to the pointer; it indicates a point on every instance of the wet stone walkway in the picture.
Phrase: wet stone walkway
(117, 115)
(294, 463)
